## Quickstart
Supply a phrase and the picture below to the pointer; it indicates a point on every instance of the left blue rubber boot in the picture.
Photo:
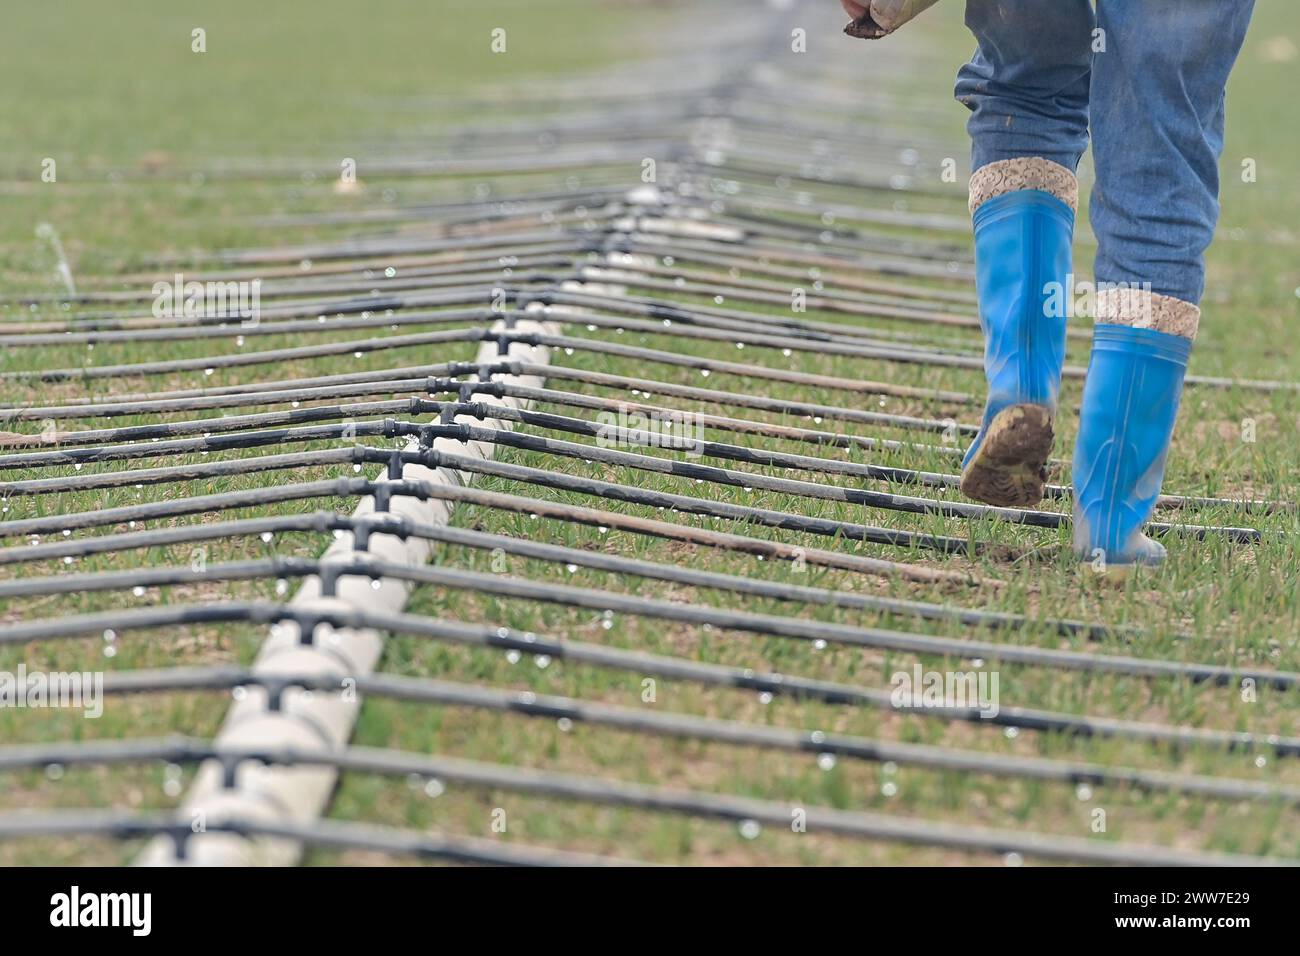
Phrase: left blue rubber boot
(1023, 261)
(1130, 402)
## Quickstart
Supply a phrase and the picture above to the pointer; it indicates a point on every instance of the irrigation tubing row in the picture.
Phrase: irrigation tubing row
(431, 458)
(363, 528)
(419, 406)
(466, 433)
(610, 602)
(544, 783)
(761, 548)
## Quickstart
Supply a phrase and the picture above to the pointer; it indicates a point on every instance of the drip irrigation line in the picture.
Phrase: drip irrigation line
(881, 253)
(274, 356)
(364, 528)
(689, 327)
(322, 834)
(631, 437)
(360, 454)
(695, 327)
(722, 423)
(933, 221)
(223, 399)
(749, 224)
(700, 325)
(625, 155)
(432, 385)
(643, 721)
(896, 354)
(877, 638)
(216, 438)
(139, 403)
(355, 487)
(719, 317)
(608, 602)
(773, 684)
(709, 366)
(216, 442)
(375, 265)
(414, 406)
(886, 241)
(425, 211)
(83, 323)
(876, 263)
(766, 293)
(755, 167)
(760, 249)
(307, 296)
(757, 371)
(739, 226)
(389, 428)
(654, 244)
(734, 733)
(702, 251)
(364, 248)
(225, 423)
(183, 331)
(891, 502)
(153, 510)
(892, 292)
(473, 335)
(715, 317)
(464, 433)
(182, 473)
(146, 402)
(555, 784)
(808, 410)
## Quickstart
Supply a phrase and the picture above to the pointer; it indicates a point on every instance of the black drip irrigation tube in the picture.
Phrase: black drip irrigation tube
(362, 528)
(464, 433)
(61, 440)
(476, 774)
(611, 603)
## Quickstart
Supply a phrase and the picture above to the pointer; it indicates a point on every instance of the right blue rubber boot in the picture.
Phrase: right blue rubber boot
(1024, 232)
(1130, 402)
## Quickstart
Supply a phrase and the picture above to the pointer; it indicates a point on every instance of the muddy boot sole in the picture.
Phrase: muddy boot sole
(1010, 468)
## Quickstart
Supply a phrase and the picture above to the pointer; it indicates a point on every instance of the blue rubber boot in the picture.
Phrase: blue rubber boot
(1130, 401)
(1023, 260)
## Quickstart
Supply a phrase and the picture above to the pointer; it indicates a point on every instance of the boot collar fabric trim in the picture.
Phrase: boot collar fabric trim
(1141, 309)
(1026, 172)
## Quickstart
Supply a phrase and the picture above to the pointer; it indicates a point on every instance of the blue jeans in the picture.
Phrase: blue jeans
(1148, 77)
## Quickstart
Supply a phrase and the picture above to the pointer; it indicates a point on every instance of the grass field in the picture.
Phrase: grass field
(103, 89)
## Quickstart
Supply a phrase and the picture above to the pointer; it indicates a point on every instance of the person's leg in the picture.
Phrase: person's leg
(1027, 88)
(1027, 85)
(1157, 117)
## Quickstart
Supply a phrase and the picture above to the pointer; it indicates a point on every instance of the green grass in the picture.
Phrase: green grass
(121, 90)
